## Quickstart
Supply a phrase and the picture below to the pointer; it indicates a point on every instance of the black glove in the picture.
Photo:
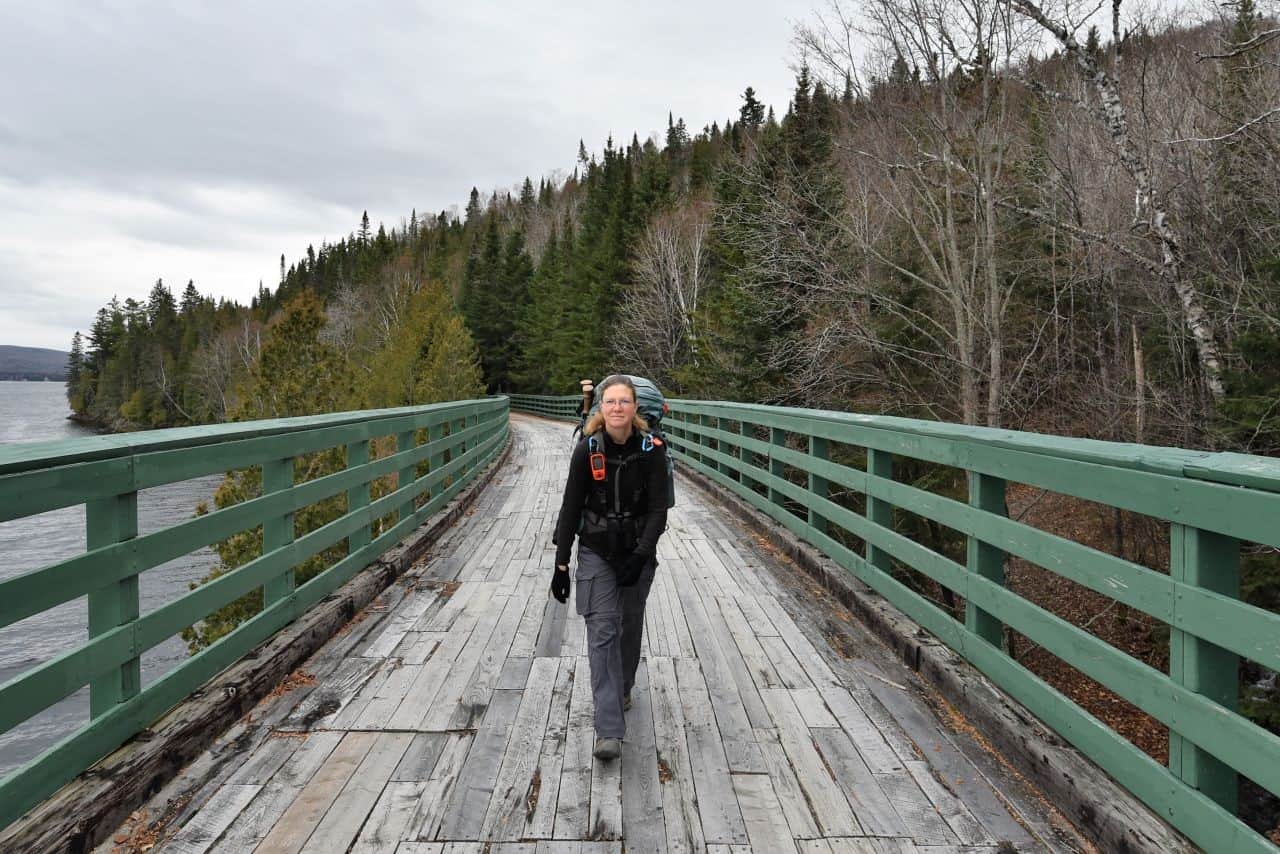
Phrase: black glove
(560, 584)
(630, 569)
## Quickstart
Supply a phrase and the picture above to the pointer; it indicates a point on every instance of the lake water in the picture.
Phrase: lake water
(37, 411)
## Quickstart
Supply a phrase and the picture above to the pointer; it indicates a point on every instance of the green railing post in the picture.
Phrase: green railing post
(703, 441)
(722, 424)
(113, 520)
(879, 512)
(776, 467)
(277, 531)
(818, 486)
(985, 493)
(434, 434)
(1210, 561)
(404, 442)
(358, 496)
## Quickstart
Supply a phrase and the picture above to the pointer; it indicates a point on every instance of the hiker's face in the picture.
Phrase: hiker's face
(618, 404)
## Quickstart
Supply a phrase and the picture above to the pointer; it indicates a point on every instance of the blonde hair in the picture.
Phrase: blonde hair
(596, 421)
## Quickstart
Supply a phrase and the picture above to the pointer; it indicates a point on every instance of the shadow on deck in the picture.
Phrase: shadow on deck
(454, 715)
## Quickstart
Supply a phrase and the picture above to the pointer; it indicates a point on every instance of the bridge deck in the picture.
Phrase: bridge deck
(455, 714)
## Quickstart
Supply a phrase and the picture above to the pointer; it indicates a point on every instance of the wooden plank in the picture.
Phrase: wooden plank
(390, 817)
(573, 803)
(526, 637)
(968, 830)
(924, 822)
(439, 790)
(424, 646)
(346, 815)
(542, 818)
(813, 846)
(469, 802)
(197, 835)
(675, 773)
(642, 817)
(476, 696)
(962, 767)
(421, 757)
(790, 672)
(762, 814)
(870, 803)
(412, 705)
(464, 848)
(832, 811)
(389, 695)
(864, 733)
(420, 848)
(718, 671)
(278, 793)
(865, 845)
(515, 673)
(263, 763)
(812, 708)
(748, 647)
(443, 619)
(724, 582)
(319, 709)
(791, 798)
(676, 608)
(405, 617)
(440, 714)
(517, 785)
(291, 831)
(717, 802)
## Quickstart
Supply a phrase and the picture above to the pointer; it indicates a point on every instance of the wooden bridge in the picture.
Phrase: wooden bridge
(453, 712)
(461, 714)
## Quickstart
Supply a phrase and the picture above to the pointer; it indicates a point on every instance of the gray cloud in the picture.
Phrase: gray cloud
(200, 140)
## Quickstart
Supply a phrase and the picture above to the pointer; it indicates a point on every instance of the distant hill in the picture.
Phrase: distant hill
(32, 363)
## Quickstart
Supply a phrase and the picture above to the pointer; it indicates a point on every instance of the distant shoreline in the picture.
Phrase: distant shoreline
(33, 378)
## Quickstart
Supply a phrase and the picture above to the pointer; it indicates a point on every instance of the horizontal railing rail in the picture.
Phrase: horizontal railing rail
(565, 407)
(439, 449)
(781, 461)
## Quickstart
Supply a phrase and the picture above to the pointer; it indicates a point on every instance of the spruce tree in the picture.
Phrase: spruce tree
(751, 113)
(473, 208)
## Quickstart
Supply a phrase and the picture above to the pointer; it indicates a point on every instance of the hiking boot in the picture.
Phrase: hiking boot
(608, 748)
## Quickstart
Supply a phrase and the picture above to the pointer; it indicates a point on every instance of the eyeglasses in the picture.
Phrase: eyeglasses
(615, 404)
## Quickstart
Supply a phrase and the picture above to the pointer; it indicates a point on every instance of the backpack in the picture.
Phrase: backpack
(652, 406)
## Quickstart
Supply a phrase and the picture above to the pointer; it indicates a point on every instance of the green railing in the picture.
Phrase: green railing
(548, 405)
(438, 450)
(783, 461)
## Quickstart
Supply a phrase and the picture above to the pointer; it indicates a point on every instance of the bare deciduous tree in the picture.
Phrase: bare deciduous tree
(1150, 210)
(658, 312)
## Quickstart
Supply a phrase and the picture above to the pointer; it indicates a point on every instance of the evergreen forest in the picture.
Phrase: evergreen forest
(989, 217)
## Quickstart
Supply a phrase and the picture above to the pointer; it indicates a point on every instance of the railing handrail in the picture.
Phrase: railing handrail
(439, 448)
(26, 456)
(563, 407)
(1226, 467)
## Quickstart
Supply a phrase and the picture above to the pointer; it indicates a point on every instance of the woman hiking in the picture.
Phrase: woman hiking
(615, 504)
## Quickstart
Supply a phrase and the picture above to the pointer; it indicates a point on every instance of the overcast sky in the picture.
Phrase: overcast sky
(201, 140)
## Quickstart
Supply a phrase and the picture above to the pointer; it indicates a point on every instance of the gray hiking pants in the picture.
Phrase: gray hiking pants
(615, 623)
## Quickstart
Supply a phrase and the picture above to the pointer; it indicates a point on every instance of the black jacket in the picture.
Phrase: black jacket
(636, 489)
